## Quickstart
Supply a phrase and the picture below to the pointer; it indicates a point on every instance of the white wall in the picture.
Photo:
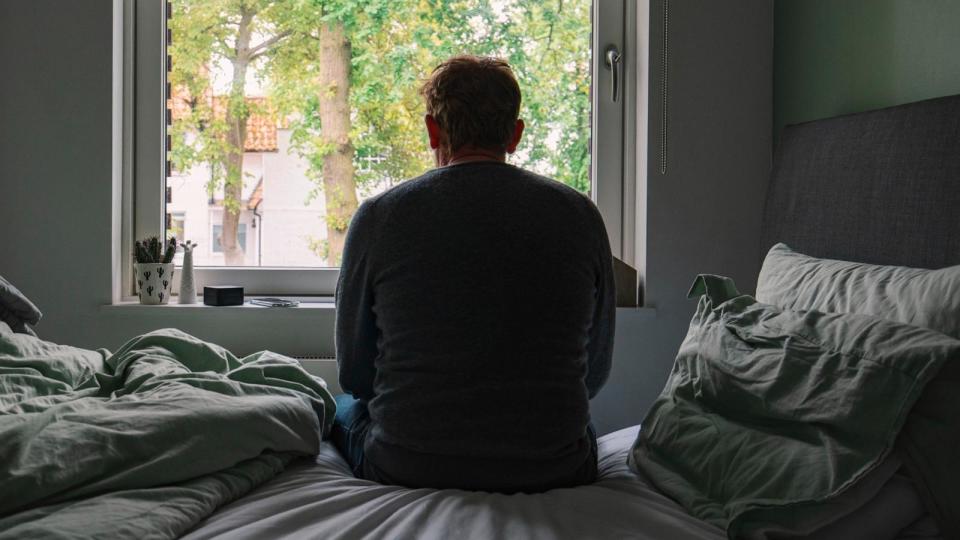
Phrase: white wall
(55, 151)
(55, 188)
(289, 223)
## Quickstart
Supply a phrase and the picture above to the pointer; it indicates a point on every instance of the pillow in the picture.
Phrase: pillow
(925, 298)
(25, 355)
(775, 422)
(16, 309)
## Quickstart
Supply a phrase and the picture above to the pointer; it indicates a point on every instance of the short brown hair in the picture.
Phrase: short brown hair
(475, 100)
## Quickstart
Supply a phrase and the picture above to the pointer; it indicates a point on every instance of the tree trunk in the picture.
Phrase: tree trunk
(236, 118)
(339, 187)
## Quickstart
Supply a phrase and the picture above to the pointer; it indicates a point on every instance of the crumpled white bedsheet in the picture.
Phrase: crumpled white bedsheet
(324, 500)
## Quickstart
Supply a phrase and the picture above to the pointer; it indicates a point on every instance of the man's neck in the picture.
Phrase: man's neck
(470, 154)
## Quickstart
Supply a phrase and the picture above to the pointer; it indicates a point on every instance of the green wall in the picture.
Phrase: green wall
(835, 57)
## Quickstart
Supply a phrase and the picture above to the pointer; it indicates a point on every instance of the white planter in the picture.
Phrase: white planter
(154, 281)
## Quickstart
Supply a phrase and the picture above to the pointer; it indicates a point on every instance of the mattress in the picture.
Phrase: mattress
(322, 499)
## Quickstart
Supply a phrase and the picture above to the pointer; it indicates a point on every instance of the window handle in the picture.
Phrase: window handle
(613, 61)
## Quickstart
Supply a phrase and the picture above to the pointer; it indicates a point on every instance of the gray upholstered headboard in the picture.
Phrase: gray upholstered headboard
(879, 187)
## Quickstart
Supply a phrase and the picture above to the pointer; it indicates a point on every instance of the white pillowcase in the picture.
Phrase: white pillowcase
(926, 298)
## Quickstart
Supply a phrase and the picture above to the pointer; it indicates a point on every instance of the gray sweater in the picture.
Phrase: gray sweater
(475, 314)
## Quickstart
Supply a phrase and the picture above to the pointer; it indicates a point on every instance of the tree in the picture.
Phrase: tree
(344, 75)
(335, 99)
(204, 33)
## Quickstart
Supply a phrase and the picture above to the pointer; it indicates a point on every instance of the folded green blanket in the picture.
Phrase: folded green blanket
(771, 417)
(155, 420)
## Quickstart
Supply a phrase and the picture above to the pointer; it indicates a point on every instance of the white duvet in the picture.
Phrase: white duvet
(324, 500)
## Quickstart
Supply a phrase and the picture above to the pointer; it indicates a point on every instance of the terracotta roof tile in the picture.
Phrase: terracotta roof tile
(261, 125)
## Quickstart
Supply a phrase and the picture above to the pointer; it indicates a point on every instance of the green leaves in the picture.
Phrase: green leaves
(394, 45)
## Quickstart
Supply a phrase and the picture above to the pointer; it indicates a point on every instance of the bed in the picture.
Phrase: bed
(877, 176)
(880, 187)
(321, 499)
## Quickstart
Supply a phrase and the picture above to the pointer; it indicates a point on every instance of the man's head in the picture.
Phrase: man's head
(473, 104)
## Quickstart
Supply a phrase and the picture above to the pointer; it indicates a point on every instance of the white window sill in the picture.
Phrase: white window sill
(134, 306)
(128, 306)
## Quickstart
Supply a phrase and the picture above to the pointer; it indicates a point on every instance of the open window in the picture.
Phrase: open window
(258, 126)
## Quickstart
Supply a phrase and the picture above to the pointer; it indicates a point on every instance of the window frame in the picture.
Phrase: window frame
(613, 156)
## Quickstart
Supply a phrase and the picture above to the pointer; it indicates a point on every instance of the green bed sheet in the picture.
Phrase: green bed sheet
(149, 439)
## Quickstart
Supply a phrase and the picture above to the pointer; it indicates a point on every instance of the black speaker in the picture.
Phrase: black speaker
(223, 295)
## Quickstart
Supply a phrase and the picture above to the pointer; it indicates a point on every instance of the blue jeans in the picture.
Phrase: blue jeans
(352, 422)
(350, 427)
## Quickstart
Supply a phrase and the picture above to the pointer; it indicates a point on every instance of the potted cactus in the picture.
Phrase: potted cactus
(153, 269)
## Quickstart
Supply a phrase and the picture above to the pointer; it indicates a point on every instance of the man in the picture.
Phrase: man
(475, 309)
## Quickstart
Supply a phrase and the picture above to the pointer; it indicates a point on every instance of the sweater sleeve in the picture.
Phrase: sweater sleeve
(600, 346)
(356, 327)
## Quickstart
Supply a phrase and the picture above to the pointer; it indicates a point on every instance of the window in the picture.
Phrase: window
(217, 233)
(240, 138)
(175, 224)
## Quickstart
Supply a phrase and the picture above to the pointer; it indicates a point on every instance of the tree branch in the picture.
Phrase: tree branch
(258, 50)
(546, 50)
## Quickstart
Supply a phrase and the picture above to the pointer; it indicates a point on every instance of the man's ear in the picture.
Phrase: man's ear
(517, 135)
(433, 131)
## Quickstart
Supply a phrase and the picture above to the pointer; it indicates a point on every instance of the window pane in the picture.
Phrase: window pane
(275, 145)
(218, 230)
